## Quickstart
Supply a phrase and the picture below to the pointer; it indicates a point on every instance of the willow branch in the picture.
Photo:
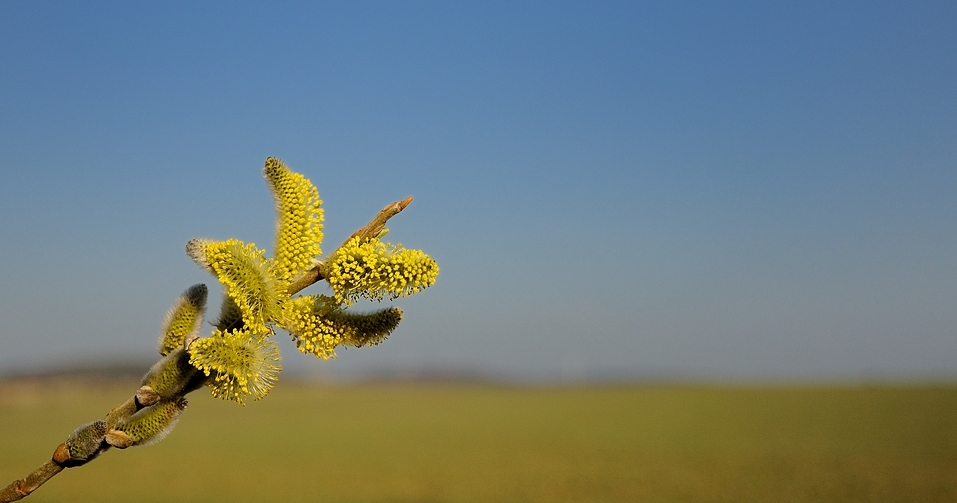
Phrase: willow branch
(62, 458)
(19, 489)
(369, 231)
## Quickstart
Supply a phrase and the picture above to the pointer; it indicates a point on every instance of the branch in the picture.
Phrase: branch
(62, 458)
(371, 230)
(82, 446)
(19, 489)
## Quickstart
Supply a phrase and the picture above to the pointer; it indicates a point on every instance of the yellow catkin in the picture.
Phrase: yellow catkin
(318, 325)
(376, 270)
(366, 329)
(171, 374)
(240, 363)
(153, 423)
(299, 217)
(313, 334)
(248, 278)
(183, 319)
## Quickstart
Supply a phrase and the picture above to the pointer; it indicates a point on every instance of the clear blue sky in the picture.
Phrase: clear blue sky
(752, 190)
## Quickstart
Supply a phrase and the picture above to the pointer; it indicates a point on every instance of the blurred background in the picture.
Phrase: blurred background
(615, 190)
(690, 251)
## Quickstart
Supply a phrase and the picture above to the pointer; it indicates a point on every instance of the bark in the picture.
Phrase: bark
(19, 489)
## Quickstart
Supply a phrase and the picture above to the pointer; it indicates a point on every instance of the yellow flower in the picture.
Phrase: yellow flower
(374, 270)
(303, 318)
(248, 278)
(299, 220)
(318, 325)
(240, 362)
(183, 319)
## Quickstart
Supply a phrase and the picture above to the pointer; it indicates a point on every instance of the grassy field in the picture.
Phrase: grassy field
(482, 443)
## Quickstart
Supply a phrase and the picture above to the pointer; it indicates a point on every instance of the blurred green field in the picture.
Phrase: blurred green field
(434, 442)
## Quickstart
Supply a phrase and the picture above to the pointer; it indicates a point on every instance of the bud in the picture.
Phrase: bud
(183, 319)
(149, 425)
(171, 374)
(86, 442)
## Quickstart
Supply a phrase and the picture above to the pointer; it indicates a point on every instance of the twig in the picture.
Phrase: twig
(19, 489)
(373, 228)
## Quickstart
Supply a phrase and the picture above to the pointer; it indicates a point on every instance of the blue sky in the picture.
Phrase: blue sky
(657, 190)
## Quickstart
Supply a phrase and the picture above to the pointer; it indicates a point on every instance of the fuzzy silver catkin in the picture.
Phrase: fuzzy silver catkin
(366, 329)
(153, 423)
(86, 442)
(171, 374)
(183, 320)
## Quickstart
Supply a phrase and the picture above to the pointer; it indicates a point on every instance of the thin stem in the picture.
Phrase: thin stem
(19, 489)
(373, 228)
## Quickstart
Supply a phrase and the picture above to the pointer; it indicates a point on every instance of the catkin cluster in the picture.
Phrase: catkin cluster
(240, 359)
